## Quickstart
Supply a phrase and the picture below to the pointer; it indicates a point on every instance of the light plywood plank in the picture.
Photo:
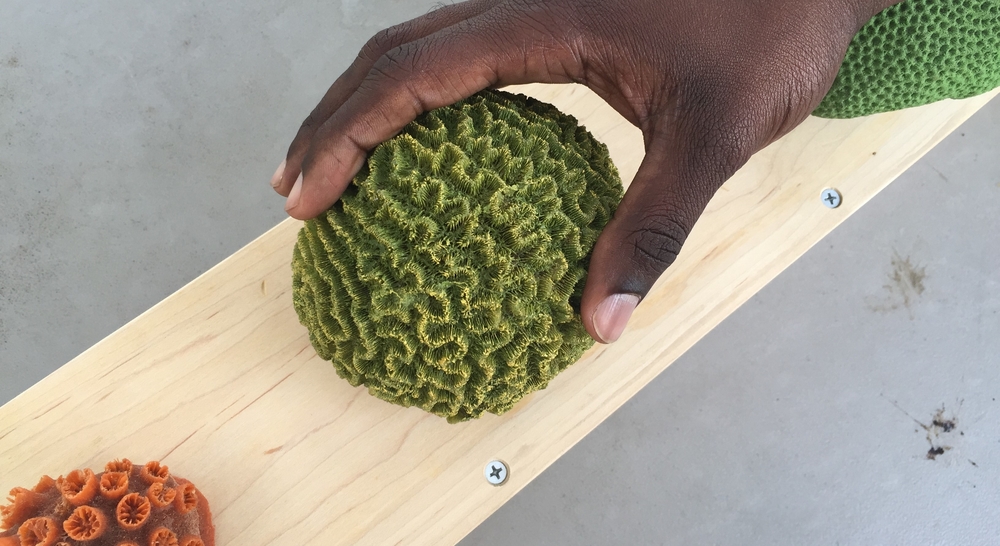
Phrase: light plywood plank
(219, 380)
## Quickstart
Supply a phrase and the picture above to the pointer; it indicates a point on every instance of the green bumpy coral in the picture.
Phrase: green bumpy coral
(917, 52)
(448, 275)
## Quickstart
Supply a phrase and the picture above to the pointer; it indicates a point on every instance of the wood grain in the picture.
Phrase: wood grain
(219, 380)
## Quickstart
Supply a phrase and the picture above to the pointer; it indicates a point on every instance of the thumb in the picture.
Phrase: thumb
(670, 191)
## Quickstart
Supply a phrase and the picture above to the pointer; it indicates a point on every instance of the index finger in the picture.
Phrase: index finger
(490, 50)
(348, 82)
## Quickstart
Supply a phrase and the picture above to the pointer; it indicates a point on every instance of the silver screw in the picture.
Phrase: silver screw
(832, 198)
(496, 472)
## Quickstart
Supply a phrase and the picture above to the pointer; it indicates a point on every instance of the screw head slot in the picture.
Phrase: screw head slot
(831, 198)
(496, 472)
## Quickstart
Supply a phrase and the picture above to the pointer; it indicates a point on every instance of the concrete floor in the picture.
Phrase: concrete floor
(137, 143)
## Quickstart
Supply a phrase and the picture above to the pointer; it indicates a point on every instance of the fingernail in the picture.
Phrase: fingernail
(293, 196)
(276, 179)
(612, 315)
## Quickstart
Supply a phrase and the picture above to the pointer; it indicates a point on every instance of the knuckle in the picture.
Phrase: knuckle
(386, 40)
(397, 63)
(657, 243)
(307, 130)
(312, 121)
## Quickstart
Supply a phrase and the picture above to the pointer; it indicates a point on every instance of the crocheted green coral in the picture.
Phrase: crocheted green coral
(918, 52)
(448, 275)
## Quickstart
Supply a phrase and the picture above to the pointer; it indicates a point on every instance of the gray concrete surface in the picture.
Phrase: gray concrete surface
(136, 140)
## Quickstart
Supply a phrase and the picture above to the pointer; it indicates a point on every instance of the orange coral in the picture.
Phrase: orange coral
(133, 511)
(38, 532)
(154, 472)
(119, 465)
(163, 537)
(117, 507)
(114, 484)
(24, 502)
(79, 487)
(160, 495)
(86, 523)
(18, 505)
(187, 498)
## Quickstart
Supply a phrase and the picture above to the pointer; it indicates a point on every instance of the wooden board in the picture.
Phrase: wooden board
(219, 380)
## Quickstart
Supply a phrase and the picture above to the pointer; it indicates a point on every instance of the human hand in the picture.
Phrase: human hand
(709, 83)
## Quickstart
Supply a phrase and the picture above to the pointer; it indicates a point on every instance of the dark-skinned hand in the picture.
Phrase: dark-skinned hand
(709, 83)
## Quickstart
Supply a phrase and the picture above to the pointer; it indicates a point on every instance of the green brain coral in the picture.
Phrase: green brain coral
(918, 52)
(448, 275)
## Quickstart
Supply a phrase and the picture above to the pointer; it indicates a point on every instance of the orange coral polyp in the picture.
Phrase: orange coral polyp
(192, 541)
(160, 495)
(79, 487)
(154, 472)
(187, 498)
(133, 511)
(86, 523)
(45, 483)
(24, 502)
(38, 532)
(14, 493)
(163, 537)
(10, 513)
(114, 484)
(119, 465)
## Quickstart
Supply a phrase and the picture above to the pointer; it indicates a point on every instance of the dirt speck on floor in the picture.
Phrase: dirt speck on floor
(933, 452)
(941, 423)
(906, 284)
(945, 425)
